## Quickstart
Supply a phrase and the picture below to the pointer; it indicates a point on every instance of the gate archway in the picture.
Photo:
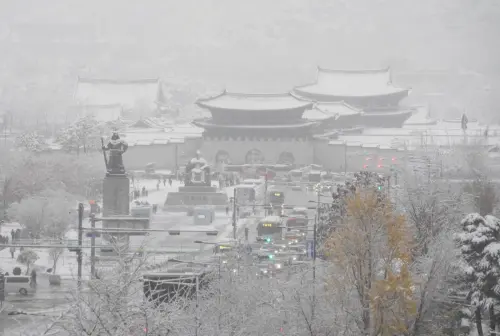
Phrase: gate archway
(286, 158)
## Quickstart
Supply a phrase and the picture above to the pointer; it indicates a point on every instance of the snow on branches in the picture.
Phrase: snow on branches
(479, 244)
(337, 210)
(31, 141)
(83, 135)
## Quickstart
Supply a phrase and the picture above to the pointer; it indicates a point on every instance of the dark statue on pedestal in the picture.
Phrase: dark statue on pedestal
(114, 162)
(197, 172)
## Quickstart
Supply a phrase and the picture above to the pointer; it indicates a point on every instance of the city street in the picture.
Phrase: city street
(53, 300)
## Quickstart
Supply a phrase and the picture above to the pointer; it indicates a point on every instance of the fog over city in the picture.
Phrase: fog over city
(280, 167)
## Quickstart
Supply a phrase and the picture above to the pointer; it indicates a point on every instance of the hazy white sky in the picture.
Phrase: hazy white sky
(246, 45)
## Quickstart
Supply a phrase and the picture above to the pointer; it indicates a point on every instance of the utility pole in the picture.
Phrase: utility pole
(234, 213)
(265, 193)
(92, 246)
(389, 187)
(80, 238)
(345, 158)
(316, 220)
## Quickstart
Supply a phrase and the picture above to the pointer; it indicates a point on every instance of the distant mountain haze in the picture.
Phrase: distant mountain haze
(444, 49)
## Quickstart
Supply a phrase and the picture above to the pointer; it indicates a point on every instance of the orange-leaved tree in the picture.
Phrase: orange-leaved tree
(371, 250)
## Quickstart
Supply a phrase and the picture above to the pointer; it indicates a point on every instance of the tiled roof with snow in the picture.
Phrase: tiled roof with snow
(128, 93)
(252, 102)
(351, 83)
(103, 113)
(161, 136)
(330, 110)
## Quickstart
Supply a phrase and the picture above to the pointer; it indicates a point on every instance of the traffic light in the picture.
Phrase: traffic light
(271, 256)
(393, 159)
(379, 187)
(268, 240)
(379, 166)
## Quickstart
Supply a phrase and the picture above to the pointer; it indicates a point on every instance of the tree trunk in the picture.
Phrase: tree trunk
(479, 321)
(491, 311)
(54, 267)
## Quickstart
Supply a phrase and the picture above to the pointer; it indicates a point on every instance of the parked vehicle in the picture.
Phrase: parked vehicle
(18, 284)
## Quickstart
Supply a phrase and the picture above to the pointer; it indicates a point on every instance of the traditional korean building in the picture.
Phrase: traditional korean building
(110, 99)
(256, 128)
(371, 91)
(334, 115)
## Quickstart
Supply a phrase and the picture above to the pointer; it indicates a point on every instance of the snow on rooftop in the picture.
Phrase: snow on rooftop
(249, 102)
(351, 83)
(161, 136)
(330, 110)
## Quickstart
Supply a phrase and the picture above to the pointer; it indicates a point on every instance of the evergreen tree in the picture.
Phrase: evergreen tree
(479, 244)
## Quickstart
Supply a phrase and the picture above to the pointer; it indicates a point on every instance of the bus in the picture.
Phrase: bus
(270, 229)
(276, 198)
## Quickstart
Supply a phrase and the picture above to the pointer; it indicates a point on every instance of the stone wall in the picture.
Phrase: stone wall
(242, 150)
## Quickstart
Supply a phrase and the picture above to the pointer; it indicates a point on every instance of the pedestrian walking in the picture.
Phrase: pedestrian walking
(158, 185)
(13, 234)
(227, 210)
(170, 181)
(164, 181)
(12, 251)
(33, 279)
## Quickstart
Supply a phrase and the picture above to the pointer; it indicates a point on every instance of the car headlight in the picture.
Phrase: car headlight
(224, 261)
(278, 265)
(294, 258)
(264, 271)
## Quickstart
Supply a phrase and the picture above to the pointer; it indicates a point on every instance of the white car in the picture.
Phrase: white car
(18, 284)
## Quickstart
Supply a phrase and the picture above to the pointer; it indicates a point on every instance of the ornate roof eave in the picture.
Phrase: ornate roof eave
(205, 123)
(400, 90)
(345, 71)
(318, 106)
(118, 81)
(201, 102)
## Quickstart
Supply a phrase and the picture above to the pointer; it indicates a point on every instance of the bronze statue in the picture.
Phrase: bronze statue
(116, 148)
(197, 172)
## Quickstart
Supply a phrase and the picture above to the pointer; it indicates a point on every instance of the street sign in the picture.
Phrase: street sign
(174, 232)
(212, 233)
(93, 234)
(310, 248)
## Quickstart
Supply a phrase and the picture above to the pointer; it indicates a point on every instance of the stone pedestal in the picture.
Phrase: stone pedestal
(116, 200)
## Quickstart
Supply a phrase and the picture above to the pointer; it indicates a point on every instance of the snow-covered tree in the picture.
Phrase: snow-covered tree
(371, 250)
(25, 175)
(84, 134)
(31, 141)
(28, 258)
(47, 214)
(479, 244)
(332, 215)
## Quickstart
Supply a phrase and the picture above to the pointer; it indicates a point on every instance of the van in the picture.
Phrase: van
(18, 284)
